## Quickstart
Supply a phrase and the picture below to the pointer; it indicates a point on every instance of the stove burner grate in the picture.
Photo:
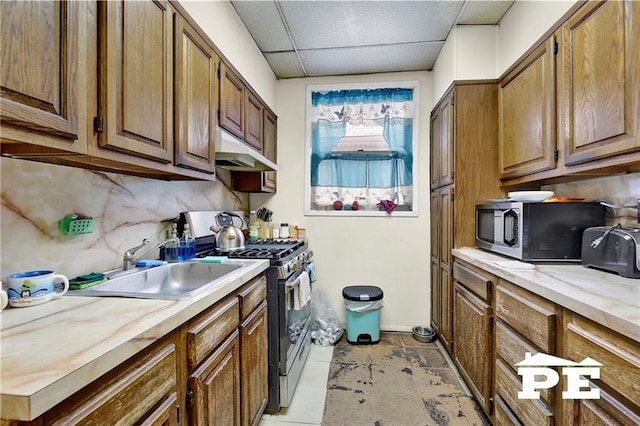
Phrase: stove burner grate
(261, 249)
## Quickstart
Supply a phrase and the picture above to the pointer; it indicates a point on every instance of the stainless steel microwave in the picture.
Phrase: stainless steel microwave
(536, 231)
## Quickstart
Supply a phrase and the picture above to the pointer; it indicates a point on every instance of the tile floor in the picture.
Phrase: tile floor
(307, 406)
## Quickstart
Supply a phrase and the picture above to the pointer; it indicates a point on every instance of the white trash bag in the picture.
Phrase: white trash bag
(325, 327)
(362, 305)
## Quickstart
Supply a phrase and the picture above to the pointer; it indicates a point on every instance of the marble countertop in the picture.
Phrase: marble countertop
(50, 351)
(603, 297)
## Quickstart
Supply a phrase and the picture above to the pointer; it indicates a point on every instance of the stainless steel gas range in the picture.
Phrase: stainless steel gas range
(288, 318)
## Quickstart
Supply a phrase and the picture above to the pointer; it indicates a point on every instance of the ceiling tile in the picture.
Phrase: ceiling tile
(484, 12)
(284, 64)
(372, 59)
(354, 36)
(323, 24)
(265, 25)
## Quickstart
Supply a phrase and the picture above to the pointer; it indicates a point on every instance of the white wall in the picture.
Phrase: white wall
(477, 56)
(525, 22)
(470, 52)
(388, 252)
(484, 51)
(223, 25)
(444, 70)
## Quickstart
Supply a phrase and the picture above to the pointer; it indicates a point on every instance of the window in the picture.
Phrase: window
(361, 145)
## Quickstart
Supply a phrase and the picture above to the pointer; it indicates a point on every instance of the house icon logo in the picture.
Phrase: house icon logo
(539, 365)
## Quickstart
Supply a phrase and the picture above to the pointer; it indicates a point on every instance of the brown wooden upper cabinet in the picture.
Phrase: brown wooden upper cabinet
(527, 115)
(434, 153)
(196, 99)
(261, 181)
(572, 105)
(253, 121)
(136, 77)
(599, 100)
(442, 164)
(42, 72)
(232, 99)
(270, 148)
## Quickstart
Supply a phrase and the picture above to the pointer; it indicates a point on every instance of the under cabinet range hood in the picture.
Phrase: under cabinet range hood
(233, 154)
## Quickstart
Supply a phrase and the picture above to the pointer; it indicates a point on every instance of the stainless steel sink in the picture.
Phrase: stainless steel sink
(172, 281)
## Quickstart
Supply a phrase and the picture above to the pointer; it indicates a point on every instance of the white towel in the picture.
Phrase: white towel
(302, 292)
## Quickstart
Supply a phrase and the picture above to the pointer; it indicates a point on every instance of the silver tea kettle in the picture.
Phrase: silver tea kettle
(228, 236)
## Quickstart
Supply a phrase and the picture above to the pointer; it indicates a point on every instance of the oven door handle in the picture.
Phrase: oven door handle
(294, 280)
(290, 286)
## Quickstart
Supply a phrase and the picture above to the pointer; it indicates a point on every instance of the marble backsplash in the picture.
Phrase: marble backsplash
(127, 209)
(618, 190)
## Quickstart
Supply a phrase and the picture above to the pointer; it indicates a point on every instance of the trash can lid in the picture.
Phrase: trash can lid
(362, 292)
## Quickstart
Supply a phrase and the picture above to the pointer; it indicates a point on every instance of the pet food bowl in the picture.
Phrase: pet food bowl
(424, 334)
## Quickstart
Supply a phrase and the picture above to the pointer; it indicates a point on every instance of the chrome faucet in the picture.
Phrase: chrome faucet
(130, 258)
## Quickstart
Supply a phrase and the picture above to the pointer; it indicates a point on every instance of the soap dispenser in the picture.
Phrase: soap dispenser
(187, 244)
(171, 247)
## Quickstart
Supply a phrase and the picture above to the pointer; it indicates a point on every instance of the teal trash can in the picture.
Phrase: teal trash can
(362, 305)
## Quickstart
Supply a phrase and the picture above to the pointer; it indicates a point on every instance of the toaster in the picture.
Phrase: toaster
(612, 248)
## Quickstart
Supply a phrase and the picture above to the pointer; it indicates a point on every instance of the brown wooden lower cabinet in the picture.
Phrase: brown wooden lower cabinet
(526, 323)
(619, 383)
(254, 366)
(532, 412)
(486, 353)
(210, 370)
(213, 395)
(441, 261)
(142, 391)
(473, 331)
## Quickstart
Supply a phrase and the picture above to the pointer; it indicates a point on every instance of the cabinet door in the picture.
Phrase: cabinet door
(435, 148)
(270, 148)
(254, 365)
(527, 115)
(446, 135)
(436, 298)
(446, 245)
(43, 73)
(232, 99)
(136, 77)
(214, 388)
(473, 343)
(619, 378)
(196, 103)
(260, 181)
(600, 96)
(253, 121)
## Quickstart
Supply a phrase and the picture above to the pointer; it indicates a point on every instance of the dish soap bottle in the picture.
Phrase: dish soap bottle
(187, 247)
(171, 248)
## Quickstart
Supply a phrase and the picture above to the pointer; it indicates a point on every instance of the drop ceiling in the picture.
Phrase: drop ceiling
(321, 38)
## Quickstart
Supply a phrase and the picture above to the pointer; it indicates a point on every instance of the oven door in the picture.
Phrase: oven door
(294, 319)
